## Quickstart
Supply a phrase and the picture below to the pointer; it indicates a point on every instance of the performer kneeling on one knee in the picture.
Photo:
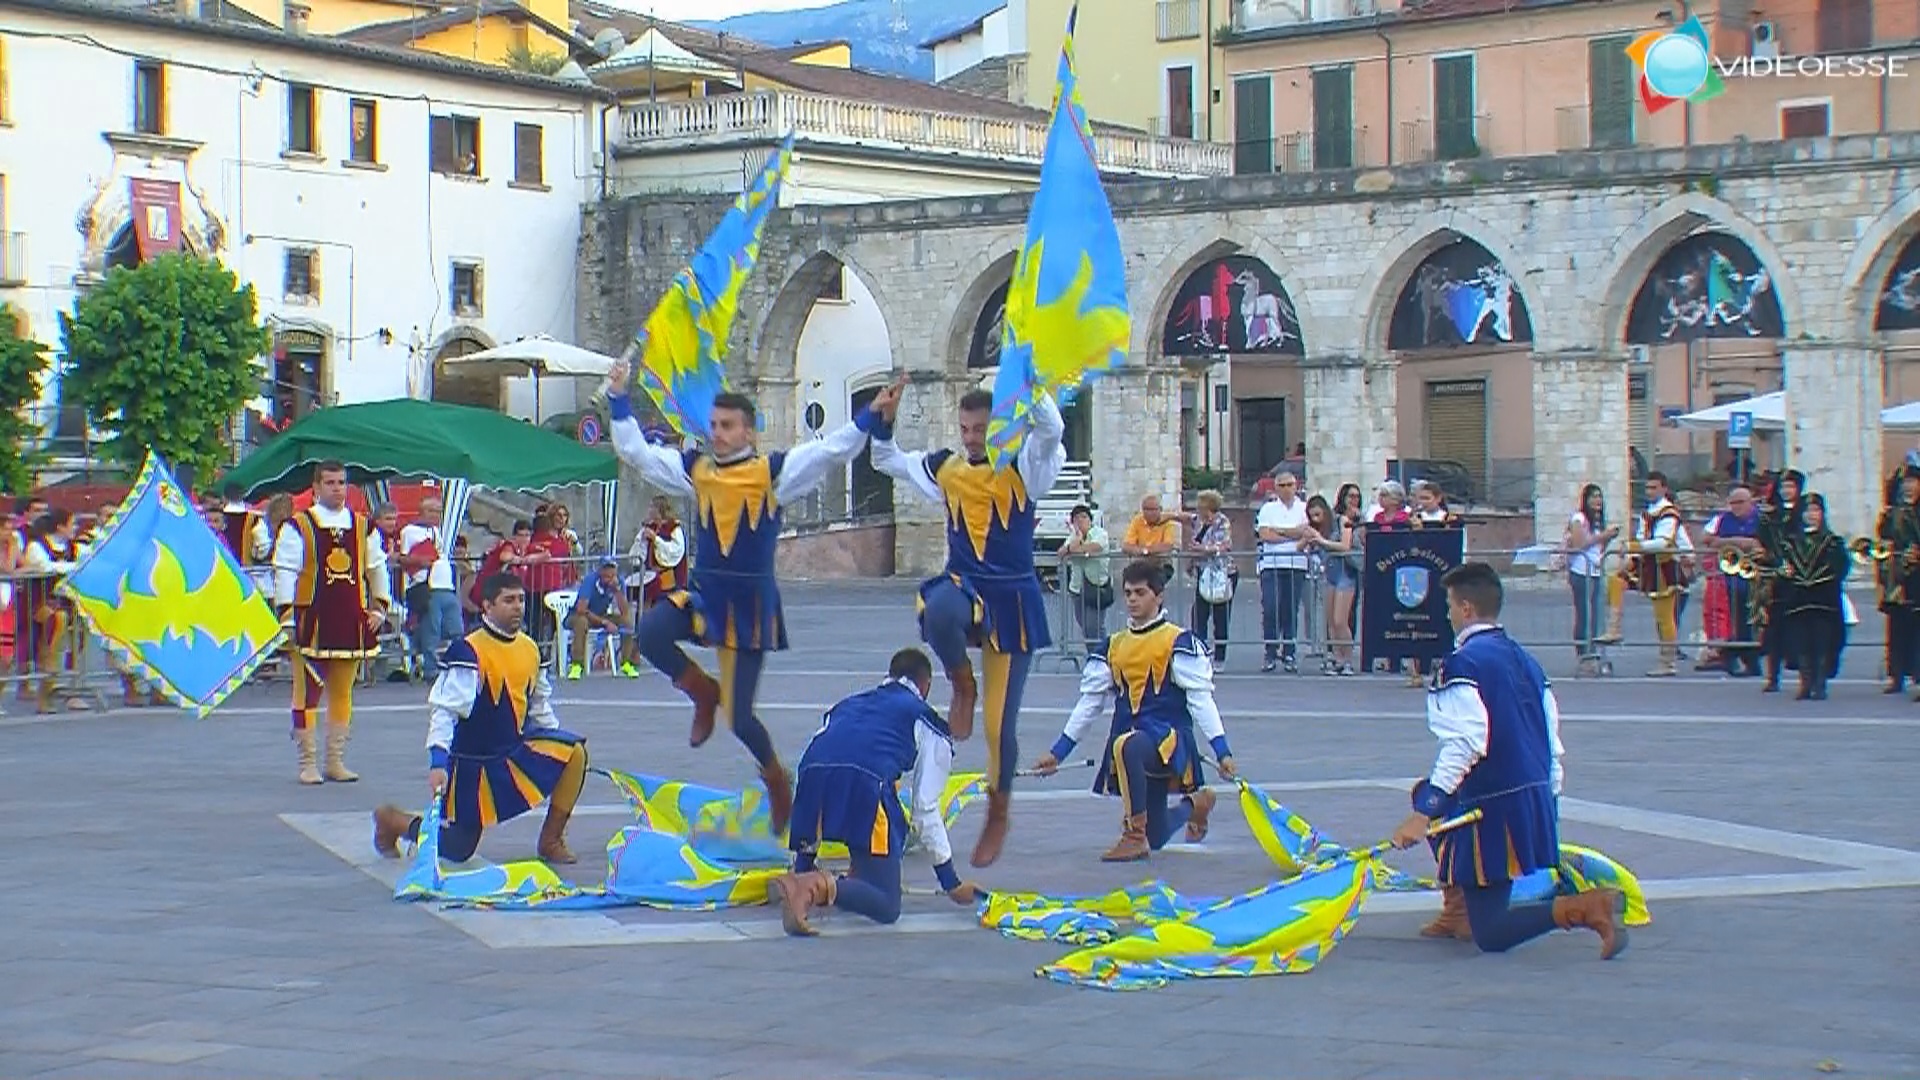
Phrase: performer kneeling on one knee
(494, 747)
(1499, 731)
(1158, 681)
(849, 793)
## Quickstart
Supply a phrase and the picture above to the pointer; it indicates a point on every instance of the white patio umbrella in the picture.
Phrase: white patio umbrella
(1769, 414)
(538, 356)
(1901, 417)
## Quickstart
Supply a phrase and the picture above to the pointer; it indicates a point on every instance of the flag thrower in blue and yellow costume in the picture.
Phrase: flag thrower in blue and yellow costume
(1157, 680)
(989, 595)
(1499, 731)
(732, 601)
(494, 747)
(849, 793)
(331, 585)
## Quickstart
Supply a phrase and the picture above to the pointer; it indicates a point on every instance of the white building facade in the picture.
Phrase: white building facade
(389, 208)
(992, 35)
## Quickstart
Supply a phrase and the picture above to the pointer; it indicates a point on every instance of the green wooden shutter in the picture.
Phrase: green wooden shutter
(1454, 135)
(1333, 118)
(1609, 93)
(1252, 125)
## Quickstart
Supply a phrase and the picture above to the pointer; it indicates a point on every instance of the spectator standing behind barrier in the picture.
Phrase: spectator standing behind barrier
(1587, 537)
(1153, 535)
(1389, 507)
(1089, 576)
(1349, 507)
(1737, 529)
(49, 553)
(1331, 544)
(1281, 524)
(433, 597)
(1215, 576)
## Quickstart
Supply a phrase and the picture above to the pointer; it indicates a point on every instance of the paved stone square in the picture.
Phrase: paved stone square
(183, 908)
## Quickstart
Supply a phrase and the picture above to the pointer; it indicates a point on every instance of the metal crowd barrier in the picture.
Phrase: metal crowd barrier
(51, 664)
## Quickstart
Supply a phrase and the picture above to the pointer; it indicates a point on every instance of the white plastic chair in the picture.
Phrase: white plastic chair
(560, 603)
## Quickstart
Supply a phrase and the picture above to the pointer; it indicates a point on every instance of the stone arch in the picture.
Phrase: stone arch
(773, 346)
(963, 312)
(480, 391)
(1171, 274)
(1636, 253)
(1394, 271)
(1883, 250)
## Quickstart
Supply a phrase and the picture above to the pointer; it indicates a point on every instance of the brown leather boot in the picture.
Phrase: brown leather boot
(553, 837)
(1598, 911)
(1203, 801)
(966, 691)
(337, 770)
(704, 692)
(391, 825)
(1133, 842)
(798, 895)
(1452, 920)
(779, 795)
(309, 756)
(993, 835)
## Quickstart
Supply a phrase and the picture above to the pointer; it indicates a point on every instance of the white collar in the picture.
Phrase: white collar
(1159, 616)
(908, 683)
(1655, 507)
(1472, 629)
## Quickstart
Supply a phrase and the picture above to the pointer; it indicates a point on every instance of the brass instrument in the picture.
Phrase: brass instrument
(1737, 563)
(1867, 551)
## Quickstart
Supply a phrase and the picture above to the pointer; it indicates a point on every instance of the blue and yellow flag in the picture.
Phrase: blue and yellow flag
(682, 349)
(1067, 317)
(169, 600)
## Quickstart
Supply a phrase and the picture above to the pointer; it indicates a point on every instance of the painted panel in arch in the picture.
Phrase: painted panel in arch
(1459, 296)
(984, 350)
(1899, 305)
(1709, 285)
(1235, 304)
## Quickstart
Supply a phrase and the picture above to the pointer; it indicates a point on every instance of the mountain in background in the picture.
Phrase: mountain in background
(868, 25)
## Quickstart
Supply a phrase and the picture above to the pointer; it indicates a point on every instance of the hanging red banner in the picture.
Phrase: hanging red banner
(156, 216)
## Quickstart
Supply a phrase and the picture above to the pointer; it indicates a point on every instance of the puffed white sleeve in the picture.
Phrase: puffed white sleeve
(908, 466)
(447, 704)
(669, 549)
(379, 582)
(540, 703)
(1551, 704)
(1458, 718)
(260, 541)
(1044, 453)
(933, 764)
(1193, 673)
(289, 555)
(660, 466)
(810, 463)
(1096, 701)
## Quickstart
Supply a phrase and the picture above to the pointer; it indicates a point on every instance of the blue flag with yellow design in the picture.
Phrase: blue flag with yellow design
(1067, 317)
(168, 598)
(682, 348)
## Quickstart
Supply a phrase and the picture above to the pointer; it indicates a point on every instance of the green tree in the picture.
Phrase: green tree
(22, 359)
(527, 59)
(162, 356)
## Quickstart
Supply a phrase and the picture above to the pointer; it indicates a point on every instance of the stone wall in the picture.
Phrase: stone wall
(1577, 232)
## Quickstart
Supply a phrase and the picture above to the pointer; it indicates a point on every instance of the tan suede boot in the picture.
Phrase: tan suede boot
(392, 825)
(1452, 920)
(966, 691)
(1203, 801)
(993, 834)
(553, 838)
(337, 770)
(798, 895)
(1132, 846)
(1598, 911)
(308, 742)
(704, 692)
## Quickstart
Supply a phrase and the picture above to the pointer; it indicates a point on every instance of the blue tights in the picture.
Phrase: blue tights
(871, 887)
(1145, 792)
(661, 631)
(946, 622)
(1498, 925)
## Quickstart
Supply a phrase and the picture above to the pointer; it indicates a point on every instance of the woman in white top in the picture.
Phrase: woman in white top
(1588, 535)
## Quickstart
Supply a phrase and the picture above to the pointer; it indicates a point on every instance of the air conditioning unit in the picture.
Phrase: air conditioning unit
(1766, 41)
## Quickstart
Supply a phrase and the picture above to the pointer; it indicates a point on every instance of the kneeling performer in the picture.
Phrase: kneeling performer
(1499, 731)
(848, 792)
(494, 747)
(1158, 681)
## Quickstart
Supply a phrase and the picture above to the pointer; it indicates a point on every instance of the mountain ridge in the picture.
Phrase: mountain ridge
(884, 35)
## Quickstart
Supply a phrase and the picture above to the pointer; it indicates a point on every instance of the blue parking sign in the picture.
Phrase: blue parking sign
(1739, 430)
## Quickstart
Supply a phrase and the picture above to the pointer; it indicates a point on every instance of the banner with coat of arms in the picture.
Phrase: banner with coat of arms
(1403, 608)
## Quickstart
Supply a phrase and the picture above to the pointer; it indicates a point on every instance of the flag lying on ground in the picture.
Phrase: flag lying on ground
(682, 348)
(169, 600)
(1067, 318)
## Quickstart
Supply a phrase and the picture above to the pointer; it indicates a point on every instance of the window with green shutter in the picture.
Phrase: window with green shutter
(1455, 135)
(1252, 125)
(1333, 117)
(1609, 93)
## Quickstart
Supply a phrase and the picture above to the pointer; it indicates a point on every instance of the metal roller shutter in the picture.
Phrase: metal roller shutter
(1457, 427)
(1640, 417)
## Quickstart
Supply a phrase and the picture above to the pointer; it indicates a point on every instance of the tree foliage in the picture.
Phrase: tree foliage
(22, 359)
(162, 356)
(527, 59)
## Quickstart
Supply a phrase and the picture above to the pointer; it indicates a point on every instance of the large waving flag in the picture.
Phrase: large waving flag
(1067, 317)
(169, 600)
(682, 348)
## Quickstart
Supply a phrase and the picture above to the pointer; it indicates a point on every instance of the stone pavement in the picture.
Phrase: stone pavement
(183, 909)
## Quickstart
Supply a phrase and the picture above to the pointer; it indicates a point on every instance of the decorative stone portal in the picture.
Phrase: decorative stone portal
(1237, 334)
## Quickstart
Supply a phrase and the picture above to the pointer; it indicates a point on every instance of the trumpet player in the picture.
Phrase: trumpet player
(1734, 531)
(1779, 525)
(1896, 557)
(1658, 542)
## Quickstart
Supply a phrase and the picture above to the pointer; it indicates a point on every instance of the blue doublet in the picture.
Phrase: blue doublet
(497, 767)
(848, 783)
(990, 523)
(1512, 782)
(1147, 702)
(732, 598)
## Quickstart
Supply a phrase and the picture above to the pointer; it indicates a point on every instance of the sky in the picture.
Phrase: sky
(683, 10)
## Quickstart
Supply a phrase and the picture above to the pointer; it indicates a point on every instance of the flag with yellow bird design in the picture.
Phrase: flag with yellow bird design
(682, 349)
(1067, 317)
(168, 598)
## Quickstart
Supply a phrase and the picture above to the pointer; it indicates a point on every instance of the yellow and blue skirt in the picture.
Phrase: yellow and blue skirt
(488, 791)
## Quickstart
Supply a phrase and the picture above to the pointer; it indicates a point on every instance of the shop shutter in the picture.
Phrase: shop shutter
(1457, 428)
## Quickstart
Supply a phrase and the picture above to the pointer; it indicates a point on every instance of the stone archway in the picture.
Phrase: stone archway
(968, 332)
(826, 324)
(1648, 241)
(453, 387)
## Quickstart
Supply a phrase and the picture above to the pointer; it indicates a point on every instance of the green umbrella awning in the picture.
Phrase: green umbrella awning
(408, 439)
